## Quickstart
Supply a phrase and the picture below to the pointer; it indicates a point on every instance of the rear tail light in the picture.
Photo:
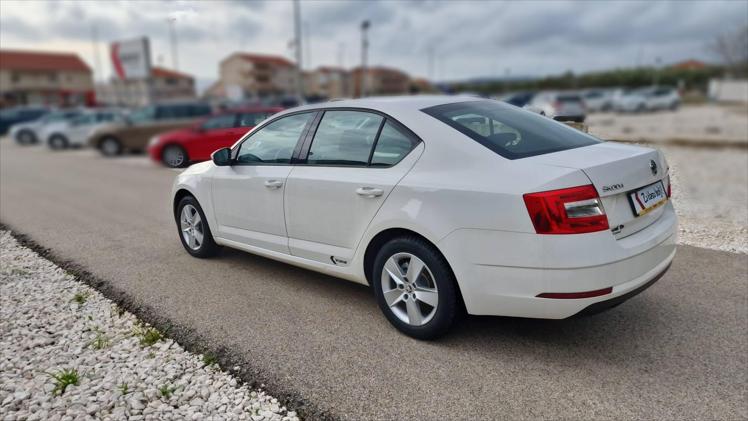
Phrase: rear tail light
(574, 210)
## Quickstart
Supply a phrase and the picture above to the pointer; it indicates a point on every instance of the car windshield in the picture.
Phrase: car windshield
(509, 131)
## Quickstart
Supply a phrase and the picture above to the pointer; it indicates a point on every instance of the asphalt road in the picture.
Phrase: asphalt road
(677, 351)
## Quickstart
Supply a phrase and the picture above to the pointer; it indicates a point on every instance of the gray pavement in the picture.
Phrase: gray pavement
(677, 351)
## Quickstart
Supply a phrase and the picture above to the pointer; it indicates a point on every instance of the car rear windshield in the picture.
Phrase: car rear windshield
(569, 98)
(509, 131)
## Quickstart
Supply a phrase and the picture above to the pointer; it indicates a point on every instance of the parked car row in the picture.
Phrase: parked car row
(175, 134)
(574, 105)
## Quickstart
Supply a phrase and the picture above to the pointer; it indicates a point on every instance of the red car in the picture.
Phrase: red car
(178, 148)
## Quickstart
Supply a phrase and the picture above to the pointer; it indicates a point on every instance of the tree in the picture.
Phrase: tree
(732, 49)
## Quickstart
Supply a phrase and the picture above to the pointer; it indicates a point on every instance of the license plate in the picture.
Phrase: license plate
(648, 198)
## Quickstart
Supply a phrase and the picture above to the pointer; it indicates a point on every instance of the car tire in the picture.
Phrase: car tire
(58, 142)
(193, 229)
(25, 137)
(174, 156)
(110, 146)
(425, 307)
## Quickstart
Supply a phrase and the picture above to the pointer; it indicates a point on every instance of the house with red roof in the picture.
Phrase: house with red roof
(50, 78)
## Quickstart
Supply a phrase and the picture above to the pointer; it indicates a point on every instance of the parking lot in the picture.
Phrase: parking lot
(675, 351)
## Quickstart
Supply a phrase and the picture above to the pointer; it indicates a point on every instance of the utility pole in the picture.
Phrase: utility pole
(431, 63)
(307, 33)
(97, 59)
(656, 78)
(364, 51)
(341, 54)
(173, 37)
(297, 36)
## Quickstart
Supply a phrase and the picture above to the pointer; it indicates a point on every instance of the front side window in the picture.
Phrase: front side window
(392, 146)
(509, 131)
(223, 121)
(274, 143)
(344, 138)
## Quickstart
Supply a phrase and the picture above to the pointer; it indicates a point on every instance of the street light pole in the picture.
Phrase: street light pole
(173, 37)
(297, 36)
(364, 50)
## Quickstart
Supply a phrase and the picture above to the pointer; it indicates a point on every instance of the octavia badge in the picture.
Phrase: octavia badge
(653, 167)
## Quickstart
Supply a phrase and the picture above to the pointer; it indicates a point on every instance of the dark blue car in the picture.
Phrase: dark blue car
(16, 115)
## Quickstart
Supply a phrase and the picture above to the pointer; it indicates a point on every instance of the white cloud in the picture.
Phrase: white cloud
(469, 38)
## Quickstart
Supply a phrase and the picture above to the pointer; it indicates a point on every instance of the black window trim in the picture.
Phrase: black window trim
(301, 150)
(404, 130)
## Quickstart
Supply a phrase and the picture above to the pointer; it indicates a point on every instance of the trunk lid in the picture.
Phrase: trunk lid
(616, 170)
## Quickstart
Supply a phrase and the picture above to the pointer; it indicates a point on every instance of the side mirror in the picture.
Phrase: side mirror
(221, 157)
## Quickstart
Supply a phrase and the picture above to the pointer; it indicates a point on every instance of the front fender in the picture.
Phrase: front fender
(197, 181)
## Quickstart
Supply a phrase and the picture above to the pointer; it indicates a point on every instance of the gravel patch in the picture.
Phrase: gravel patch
(710, 193)
(68, 353)
(704, 124)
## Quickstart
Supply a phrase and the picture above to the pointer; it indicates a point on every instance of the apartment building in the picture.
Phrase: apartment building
(327, 82)
(380, 81)
(246, 76)
(31, 77)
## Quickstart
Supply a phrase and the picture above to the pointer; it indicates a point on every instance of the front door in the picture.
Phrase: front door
(354, 161)
(248, 195)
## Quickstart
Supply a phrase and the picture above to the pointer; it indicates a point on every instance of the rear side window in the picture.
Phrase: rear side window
(199, 110)
(569, 98)
(392, 146)
(509, 131)
(344, 138)
(223, 121)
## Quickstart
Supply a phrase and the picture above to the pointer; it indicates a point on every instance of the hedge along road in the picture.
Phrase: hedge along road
(675, 351)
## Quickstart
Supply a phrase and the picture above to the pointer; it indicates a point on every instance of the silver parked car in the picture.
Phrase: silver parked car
(561, 106)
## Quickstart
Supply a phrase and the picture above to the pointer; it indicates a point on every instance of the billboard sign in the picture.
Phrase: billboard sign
(131, 59)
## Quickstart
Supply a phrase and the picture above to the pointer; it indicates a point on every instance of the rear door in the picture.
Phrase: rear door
(351, 164)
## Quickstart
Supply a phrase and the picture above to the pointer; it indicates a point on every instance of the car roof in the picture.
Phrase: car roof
(390, 104)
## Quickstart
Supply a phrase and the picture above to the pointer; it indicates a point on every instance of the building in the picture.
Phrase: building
(164, 85)
(327, 82)
(689, 65)
(30, 77)
(380, 81)
(253, 76)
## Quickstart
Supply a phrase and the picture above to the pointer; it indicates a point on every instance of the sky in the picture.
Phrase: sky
(441, 40)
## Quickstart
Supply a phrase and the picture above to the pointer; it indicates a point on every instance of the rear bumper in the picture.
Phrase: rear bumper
(502, 273)
(601, 306)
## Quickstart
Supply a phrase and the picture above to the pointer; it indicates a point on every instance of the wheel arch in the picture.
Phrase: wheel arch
(381, 238)
(180, 194)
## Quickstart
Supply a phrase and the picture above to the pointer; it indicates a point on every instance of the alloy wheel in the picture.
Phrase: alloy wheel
(174, 157)
(192, 227)
(409, 289)
(110, 147)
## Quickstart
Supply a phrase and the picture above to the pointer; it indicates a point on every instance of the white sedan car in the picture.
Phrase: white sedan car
(29, 132)
(74, 132)
(439, 204)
